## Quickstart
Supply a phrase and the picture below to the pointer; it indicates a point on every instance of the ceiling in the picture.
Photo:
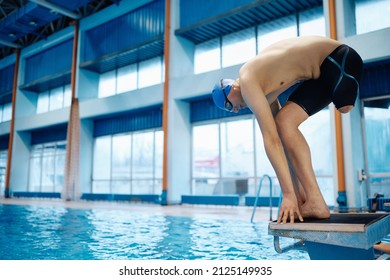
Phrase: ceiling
(255, 13)
(23, 22)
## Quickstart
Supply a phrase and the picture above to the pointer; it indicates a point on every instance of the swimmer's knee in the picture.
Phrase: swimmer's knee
(345, 109)
(284, 125)
(281, 122)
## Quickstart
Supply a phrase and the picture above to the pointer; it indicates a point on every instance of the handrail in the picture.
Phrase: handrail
(299, 245)
(258, 195)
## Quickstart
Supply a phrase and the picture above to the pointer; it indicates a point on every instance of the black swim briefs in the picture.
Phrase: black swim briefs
(339, 80)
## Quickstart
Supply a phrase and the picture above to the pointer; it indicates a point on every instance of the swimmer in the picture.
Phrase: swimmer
(314, 71)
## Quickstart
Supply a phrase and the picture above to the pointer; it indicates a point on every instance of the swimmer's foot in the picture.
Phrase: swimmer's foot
(312, 210)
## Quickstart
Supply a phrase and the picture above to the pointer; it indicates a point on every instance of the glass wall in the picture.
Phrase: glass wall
(5, 112)
(54, 99)
(239, 47)
(139, 75)
(372, 15)
(127, 78)
(207, 56)
(107, 84)
(128, 163)
(274, 31)
(3, 165)
(312, 22)
(47, 167)
(205, 164)
(229, 156)
(377, 122)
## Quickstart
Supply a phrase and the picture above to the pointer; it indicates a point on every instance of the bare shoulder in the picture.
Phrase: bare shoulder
(315, 48)
(314, 44)
(304, 41)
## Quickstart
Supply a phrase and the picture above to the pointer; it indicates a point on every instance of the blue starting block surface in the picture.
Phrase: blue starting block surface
(342, 236)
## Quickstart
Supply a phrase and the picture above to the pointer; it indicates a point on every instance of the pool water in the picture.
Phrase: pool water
(56, 233)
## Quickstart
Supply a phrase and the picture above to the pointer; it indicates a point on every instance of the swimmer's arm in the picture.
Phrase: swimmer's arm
(275, 107)
(257, 102)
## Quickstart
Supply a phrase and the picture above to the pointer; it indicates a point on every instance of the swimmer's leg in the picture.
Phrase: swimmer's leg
(298, 152)
(298, 188)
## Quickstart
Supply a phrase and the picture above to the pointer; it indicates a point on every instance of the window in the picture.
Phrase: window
(35, 168)
(274, 31)
(205, 165)
(43, 102)
(5, 112)
(102, 165)
(312, 22)
(143, 74)
(128, 163)
(127, 78)
(121, 163)
(237, 148)
(47, 166)
(223, 157)
(107, 84)
(372, 15)
(238, 47)
(378, 149)
(158, 155)
(150, 72)
(54, 99)
(67, 96)
(207, 56)
(3, 165)
(237, 157)
(229, 156)
(59, 165)
(142, 162)
(121, 156)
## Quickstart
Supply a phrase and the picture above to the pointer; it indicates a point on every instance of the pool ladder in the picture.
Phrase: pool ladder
(270, 197)
(299, 245)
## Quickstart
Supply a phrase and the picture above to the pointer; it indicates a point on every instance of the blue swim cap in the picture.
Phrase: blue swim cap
(218, 95)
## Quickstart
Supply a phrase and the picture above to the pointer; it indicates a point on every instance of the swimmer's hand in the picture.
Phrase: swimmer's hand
(289, 210)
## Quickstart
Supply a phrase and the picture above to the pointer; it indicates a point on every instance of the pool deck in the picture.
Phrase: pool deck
(262, 214)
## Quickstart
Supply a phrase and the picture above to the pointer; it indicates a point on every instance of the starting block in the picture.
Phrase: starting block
(341, 237)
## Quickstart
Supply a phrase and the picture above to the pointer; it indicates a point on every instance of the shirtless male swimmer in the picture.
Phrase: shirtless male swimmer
(315, 71)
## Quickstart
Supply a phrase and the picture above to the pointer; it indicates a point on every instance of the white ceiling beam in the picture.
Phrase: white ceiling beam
(57, 9)
(10, 44)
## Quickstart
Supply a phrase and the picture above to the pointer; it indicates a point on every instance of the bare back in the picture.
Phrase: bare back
(284, 63)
